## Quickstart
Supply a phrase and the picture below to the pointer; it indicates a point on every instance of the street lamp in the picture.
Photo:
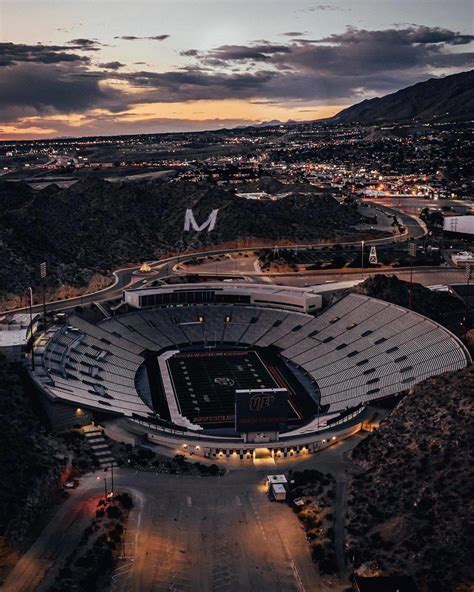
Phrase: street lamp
(105, 486)
(112, 474)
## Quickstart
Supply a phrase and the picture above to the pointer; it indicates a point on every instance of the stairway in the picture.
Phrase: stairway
(99, 445)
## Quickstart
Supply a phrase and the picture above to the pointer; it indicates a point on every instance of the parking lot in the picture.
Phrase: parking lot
(222, 534)
(189, 533)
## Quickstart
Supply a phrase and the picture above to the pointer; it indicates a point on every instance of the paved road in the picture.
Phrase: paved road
(414, 205)
(35, 570)
(425, 276)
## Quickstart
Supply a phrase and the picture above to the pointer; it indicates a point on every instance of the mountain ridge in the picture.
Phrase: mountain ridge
(437, 99)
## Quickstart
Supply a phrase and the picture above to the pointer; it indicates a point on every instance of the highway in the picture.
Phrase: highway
(414, 205)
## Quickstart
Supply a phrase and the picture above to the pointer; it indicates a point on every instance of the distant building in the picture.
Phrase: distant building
(296, 299)
(263, 195)
(15, 332)
(462, 259)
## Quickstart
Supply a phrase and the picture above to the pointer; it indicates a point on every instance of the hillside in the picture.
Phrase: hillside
(447, 99)
(95, 226)
(30, 464)
(439, 306)
(410, 500)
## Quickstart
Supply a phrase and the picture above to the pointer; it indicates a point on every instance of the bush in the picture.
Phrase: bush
(114, 512)
(125, 500)
(318, 552)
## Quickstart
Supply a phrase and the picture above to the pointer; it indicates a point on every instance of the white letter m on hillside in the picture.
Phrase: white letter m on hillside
(190, 222)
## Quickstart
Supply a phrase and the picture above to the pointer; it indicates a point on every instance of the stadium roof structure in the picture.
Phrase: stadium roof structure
(293, 298)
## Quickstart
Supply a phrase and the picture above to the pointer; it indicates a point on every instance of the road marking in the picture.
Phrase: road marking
(294, 569)
(189, 501)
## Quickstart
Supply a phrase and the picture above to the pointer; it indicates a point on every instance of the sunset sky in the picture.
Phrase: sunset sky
(86, 67)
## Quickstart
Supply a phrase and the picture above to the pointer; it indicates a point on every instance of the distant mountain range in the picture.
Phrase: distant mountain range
(441, 99)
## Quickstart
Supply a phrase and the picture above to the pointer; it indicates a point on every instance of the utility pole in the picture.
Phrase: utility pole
(30, 293)
(43, 273)
(412, 255)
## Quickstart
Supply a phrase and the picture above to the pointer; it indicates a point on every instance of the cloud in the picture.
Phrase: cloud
(43, 89)
(189, 53)
(408, 36)
(11, 53)
(327, 8)
(84, 44)
(239, 53)
(341, 67)
(134, 38)
(44, 80)
(111, 65)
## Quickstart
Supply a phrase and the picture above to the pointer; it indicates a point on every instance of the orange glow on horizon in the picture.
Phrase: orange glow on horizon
(220, 113)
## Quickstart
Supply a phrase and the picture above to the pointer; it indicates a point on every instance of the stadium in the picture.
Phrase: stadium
(238, 370)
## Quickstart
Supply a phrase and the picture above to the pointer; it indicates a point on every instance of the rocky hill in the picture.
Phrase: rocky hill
(31, 463)
(410, 500)
(443, 99)
(439, 306)
(94, 225)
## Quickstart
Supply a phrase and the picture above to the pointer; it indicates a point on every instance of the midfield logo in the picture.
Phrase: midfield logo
(224, 381)
(190, 221)
(261, 401)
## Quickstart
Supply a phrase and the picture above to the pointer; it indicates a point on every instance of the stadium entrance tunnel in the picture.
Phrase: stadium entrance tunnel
(262, 454)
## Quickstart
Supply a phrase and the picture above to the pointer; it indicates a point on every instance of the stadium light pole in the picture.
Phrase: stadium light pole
(30, 294)
(412, 254)
(43, 273)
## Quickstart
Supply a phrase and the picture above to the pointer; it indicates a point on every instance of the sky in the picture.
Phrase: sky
(103, 67)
